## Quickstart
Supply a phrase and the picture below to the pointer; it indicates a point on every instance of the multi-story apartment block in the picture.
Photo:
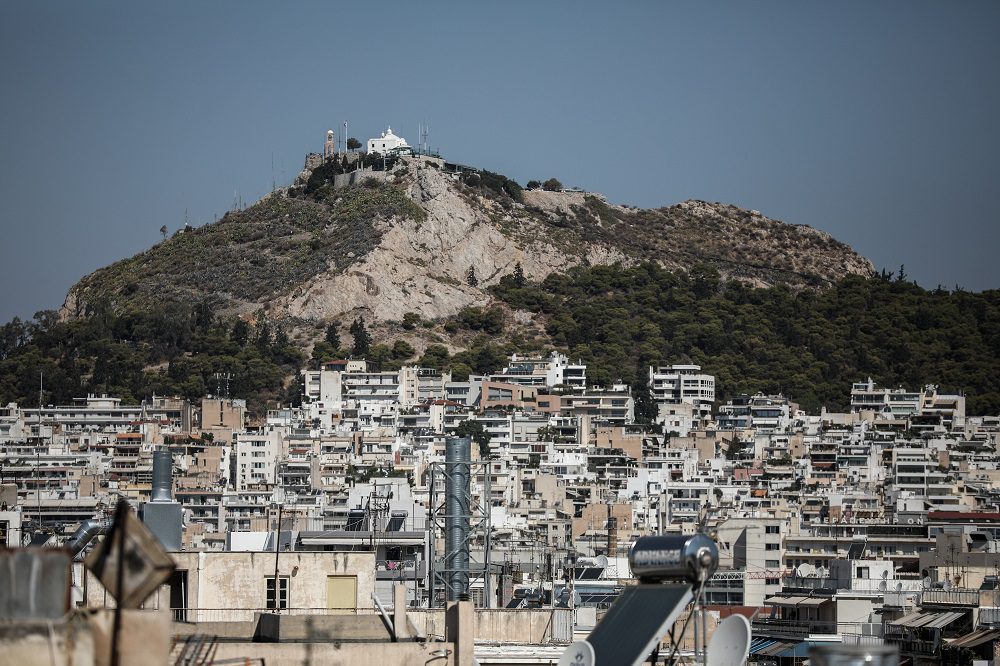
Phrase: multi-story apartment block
(683, 384)
(543, 372)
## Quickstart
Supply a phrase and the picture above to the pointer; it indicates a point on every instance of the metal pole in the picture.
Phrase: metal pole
(486, 503)
(277, 550)
(120, 515)
(431, 526)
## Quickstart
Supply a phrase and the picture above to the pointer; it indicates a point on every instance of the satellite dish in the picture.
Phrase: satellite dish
(805, 570)
(730, 644)
(947, 585)
(927, 582)
(882, 586)
(899, 587)
(580, 653)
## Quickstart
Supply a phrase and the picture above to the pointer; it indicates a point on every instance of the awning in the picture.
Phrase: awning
(912, 620)
(973, 639)
(770, 648)
(813, 601)
(783, 600)
(942, 620)
(928, 620)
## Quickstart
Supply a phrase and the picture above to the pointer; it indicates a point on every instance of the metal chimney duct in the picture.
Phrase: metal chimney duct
(458, 506)
(163, 463)
(162, 514)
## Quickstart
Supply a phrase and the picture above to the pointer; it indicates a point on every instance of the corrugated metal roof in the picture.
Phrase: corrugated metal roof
(783, 600)
(974, 639)
(942, 620)
(911, 620)
(813, 601)
(777, 648)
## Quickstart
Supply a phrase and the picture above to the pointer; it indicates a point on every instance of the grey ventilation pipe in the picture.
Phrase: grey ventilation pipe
(84, 534)
(457, 490)
(163, 462)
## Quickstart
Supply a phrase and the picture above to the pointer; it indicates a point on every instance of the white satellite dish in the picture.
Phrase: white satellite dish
(580, 653)
(805, 570)
(899, 587)
(881, 586)
(947, 585)
(730, 644)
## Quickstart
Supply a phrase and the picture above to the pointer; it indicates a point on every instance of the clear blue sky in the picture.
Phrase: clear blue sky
(876, 122)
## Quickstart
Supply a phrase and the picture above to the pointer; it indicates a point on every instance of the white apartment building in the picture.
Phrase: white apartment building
(256, 458)
(945, 411)
(553, 370)
(683, 384)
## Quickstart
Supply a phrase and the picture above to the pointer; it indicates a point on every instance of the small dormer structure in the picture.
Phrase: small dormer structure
(388, 143)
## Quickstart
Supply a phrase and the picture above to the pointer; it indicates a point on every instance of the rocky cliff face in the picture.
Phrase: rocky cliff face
(406, 239)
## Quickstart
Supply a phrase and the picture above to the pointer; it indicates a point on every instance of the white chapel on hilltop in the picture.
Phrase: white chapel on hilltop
(388, 143)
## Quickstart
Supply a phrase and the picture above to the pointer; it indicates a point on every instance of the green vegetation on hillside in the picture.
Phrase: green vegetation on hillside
(174, 350)
(255, 254)
(808, 344)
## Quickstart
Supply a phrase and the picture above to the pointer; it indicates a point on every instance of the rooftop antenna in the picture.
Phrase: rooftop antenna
(424, 133)
(344, 138)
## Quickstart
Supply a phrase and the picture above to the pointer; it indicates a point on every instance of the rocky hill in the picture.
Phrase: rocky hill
(406, 239)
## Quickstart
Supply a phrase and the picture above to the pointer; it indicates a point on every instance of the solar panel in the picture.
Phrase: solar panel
(637, 622)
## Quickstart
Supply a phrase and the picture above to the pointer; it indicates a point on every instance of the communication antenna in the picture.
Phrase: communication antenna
(424, 133)
(273, 187)
(343, 139)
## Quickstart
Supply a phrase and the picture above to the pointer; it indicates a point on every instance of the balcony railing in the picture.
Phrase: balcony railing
(951, 597)
(797, 629)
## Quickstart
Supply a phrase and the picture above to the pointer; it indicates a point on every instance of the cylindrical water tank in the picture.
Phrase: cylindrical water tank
(690, 557)
(457, 490)
(163, 463)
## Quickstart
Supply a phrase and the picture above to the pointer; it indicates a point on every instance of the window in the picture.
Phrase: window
(772, 564)
(772, 529)
(282, 593)
(772, 581)
(772, 546)
(862, 572)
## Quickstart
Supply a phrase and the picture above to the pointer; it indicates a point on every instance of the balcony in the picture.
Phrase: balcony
(400, 569)
(950, 597)
(793, 629)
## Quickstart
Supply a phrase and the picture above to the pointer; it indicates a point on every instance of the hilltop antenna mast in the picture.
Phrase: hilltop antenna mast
(343, 139)
(273, 186)
(424, 133)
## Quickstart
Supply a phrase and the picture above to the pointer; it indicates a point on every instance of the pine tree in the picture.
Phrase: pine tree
(332, 336)
(471, 278)
(518, 277)
(362, 340)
